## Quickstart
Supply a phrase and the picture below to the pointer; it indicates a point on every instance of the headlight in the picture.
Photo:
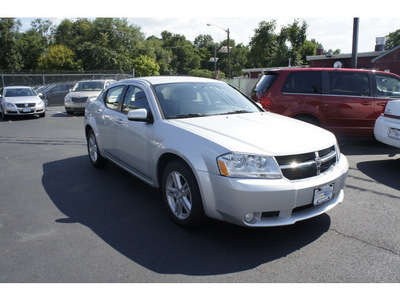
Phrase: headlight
(9, 104)
(40, 103)
(243, 165)
(92, 98)
(67, 99)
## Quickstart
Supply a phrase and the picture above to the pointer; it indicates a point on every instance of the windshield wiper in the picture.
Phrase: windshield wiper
(243, 111)
(190, 116)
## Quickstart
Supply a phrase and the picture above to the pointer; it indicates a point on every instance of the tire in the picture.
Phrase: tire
(42, 115)
(69, 112)
(95, 157)
(307, 119)
(4, 116)
(181, 195)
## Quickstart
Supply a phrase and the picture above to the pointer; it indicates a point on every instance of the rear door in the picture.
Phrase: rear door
(347, 103)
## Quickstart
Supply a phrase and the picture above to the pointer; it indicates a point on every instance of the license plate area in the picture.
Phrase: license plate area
(323, 193)
(394, 133)
(26, 110)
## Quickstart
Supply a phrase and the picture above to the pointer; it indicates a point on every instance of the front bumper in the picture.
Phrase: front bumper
(383, 125)
(271, 202)
(23, 111)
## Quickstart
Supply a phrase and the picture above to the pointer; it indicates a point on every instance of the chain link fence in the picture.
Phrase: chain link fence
(243, 84)
(52, 84)
(54, 87)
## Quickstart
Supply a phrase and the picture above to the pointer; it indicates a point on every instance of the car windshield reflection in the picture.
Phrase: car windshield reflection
(189, 100)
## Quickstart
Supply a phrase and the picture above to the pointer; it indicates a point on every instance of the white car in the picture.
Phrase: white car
(19, 101)
(83, 92)
(387, 126)
(214, 153)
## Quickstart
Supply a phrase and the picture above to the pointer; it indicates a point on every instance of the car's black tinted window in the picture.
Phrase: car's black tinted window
(265, 83)
(303, 82)
(387, 86)
(135, 98)
(113, 97)
(349, 83)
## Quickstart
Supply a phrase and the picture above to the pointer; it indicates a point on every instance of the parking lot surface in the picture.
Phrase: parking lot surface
(61, 220)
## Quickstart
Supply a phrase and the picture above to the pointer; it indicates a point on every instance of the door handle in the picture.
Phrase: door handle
(381, 103)
(366, 103)
(119, 121)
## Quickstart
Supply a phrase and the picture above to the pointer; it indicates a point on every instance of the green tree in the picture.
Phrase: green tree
(102, 44)
(263, 44)
(153, 48)
(146, 66)
(185, 57)
(32, 45)
(59, 57)
(10, 56)
(393, 40)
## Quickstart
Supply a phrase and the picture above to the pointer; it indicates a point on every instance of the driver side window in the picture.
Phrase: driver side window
(135, 98)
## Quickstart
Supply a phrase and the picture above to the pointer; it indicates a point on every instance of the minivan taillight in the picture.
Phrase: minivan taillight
(266, 103)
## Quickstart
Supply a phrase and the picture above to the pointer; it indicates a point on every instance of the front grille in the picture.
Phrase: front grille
(79, 99)
(306, 165)
(22, 105)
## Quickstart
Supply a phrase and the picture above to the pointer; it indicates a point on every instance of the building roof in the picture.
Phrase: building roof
(345, 55)
(386, 53)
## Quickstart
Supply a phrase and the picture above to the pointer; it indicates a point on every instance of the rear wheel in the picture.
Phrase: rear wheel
(181, 195)
(95, 157)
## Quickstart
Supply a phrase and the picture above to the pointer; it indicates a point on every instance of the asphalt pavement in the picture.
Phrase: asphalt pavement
(61, 220)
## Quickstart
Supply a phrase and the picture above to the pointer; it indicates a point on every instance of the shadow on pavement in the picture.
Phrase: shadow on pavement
(386, 172)
(129, 216)
(366, 146)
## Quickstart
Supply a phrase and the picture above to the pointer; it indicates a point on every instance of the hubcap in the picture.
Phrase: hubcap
(178, 195)
(92, 148)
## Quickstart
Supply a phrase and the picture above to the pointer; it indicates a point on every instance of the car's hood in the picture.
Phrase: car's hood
(25, 99)
(84, 93)
(393, 108)
(259, 133)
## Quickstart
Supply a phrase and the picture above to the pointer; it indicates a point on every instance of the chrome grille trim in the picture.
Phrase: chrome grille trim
(306, 165)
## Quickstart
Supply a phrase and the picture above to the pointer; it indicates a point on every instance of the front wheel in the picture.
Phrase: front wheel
(181, 195)
(95, 157)
(4, 116)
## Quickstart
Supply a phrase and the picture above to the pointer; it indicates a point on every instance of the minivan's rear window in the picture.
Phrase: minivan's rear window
(303, 82)
(265, 82)
(349, 83)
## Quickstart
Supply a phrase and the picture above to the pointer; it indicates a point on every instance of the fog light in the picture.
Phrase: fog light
(248, 217)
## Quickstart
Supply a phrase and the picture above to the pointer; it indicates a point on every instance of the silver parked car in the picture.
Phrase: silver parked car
(215, 153)
(21, 100)
(84, 91)
(387, 126)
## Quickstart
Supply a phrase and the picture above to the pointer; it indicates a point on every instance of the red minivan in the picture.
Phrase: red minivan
(346, 102)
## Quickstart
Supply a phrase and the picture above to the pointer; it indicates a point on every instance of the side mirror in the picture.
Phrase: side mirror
(140, 115)
(40, 95)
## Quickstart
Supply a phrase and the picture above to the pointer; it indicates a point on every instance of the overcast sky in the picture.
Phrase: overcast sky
(329, 22)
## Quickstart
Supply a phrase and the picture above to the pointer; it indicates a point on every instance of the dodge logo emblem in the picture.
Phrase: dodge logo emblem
(318, 163)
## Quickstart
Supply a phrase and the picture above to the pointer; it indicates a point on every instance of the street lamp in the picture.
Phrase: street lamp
(229, 52)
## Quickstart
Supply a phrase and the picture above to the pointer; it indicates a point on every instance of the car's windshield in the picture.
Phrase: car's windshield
(196, 99)
(19, 92)
(88, 86)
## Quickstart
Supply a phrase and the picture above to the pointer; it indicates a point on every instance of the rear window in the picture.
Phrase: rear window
(349, 83)
(265, 83)
(303, 82)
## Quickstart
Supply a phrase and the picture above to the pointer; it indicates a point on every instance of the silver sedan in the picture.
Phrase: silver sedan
(19, 101)
(215, 153)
